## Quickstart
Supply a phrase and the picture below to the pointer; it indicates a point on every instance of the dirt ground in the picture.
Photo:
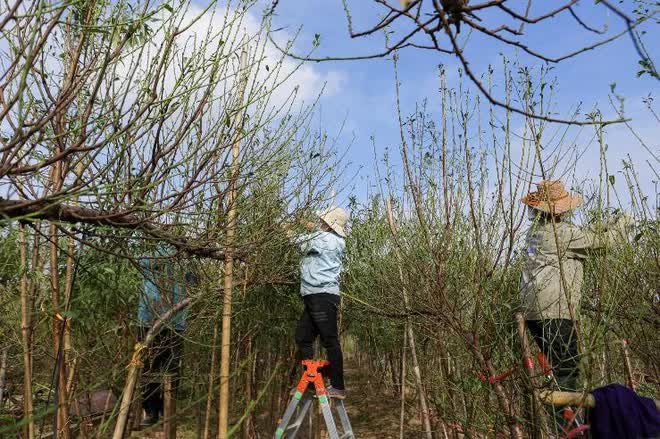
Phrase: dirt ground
(374, 413)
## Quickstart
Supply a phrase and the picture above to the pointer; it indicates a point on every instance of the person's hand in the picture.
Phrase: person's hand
(310, 226)
(287, 229)
(624, 224)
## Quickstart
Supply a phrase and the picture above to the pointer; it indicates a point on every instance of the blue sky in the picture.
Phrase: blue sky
(361, 93)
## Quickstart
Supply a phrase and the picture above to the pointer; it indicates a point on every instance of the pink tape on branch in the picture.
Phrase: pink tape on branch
(528, 363)
(496, 378)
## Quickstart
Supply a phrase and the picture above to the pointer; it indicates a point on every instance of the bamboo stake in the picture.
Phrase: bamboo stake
(426, 419)
(528, 365)
(26, 335)
(225, 344)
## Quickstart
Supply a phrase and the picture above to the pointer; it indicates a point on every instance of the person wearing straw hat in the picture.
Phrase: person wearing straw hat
(323, 250)
(550, 287)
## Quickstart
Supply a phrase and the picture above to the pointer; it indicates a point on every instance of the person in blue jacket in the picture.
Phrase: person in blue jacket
(164, 286)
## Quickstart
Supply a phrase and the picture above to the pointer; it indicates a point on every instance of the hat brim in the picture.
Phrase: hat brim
(339, 230)
(562, 205)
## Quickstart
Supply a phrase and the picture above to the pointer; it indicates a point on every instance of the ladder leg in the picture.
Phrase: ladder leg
(345, 422)
(292, 431)
(288, 414)
(327, 415)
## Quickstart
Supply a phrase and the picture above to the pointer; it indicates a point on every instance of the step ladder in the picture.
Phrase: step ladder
(310, 382)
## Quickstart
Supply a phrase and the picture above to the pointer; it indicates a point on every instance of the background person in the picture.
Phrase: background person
(164, 286)
(547, 299)
(553, 273)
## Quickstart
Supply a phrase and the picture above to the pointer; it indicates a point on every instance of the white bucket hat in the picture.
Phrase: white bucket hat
(335, 218)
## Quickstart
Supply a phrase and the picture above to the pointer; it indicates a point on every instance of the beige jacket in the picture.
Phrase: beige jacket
(542, 291)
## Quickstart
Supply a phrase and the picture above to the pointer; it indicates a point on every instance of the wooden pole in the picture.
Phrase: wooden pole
(426, 418)
(225, 344)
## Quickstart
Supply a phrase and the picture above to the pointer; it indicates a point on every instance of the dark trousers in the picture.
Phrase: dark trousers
(320, 319)
(557, 340)
(163, 356)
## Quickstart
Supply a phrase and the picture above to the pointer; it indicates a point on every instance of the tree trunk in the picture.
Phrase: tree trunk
(248, 388)
(426, 418)
(169, 407)
(536, 416)
(68, 287)
(26, 335)
(59, 326)
(630, 380)
(135, 366)
(209, 397)
(402, 415)
(3, 373)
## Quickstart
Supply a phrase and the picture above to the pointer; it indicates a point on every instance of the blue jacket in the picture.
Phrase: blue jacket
(162, 289)
(322, 262)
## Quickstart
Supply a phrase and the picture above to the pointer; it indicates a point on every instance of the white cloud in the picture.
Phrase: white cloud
(271, 67)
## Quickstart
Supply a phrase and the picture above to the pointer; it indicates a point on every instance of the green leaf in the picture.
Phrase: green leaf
(169, 8)
(70, 314)
(612, 179)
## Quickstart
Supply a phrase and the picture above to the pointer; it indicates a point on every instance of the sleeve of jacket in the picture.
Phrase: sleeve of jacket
(584, 241)
(304, 242)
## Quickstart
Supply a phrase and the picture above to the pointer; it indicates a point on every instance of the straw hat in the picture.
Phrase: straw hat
(335, 218)
(551, 197)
